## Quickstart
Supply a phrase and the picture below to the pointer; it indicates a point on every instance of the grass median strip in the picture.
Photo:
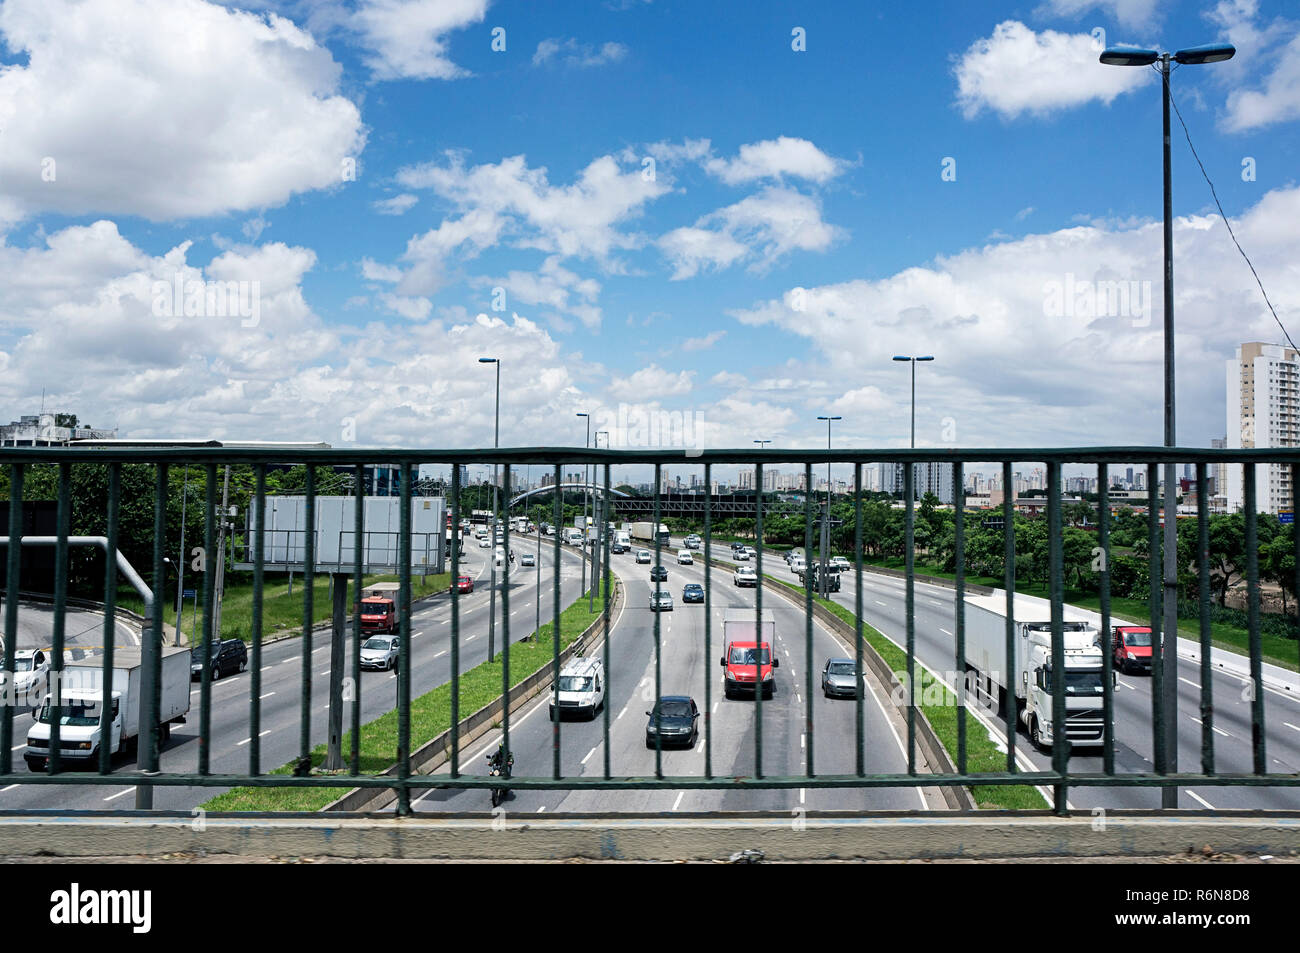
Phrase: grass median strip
(430, 716)
(939, 706)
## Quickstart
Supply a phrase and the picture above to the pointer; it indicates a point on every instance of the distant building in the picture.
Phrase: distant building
(1263, 411)
(45, 430)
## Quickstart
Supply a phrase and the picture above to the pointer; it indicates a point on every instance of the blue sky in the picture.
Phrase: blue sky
(797, 230)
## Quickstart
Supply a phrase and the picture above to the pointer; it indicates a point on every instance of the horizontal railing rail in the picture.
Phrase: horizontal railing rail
(1044, 669)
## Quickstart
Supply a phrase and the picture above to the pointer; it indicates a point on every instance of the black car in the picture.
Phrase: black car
(677, 721)
(658, 574)
(227, 657)
(693, 592)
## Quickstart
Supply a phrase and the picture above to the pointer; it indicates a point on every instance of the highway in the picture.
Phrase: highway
(884, 608)
(685, 668)
(281, 695)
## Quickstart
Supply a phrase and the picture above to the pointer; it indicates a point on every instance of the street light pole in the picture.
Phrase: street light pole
(826, 521)
(1193, 56)
(496, 444)
(587, 446)
(912, 361)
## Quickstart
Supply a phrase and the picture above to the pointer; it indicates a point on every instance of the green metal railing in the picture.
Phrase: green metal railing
(17, 464)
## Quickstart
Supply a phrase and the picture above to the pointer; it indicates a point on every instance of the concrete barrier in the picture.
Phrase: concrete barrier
(653, 837)
(435, 753)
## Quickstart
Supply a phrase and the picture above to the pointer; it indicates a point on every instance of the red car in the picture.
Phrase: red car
(378, 614)
(464, 584)
(1132, 646)
(747, 665)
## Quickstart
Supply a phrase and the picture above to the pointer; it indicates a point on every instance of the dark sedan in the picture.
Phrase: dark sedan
(693, 592)
(675, 720)
(658, 574)
(227, 657)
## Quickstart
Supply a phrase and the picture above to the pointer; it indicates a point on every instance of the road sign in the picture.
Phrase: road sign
(187, 594)
(1286, 516)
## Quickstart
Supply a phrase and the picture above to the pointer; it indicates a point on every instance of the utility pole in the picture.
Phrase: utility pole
(219, 588)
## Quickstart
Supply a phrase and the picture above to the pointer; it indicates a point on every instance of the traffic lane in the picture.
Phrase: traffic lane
(1132, 722)
(280, 714)
(684, 663)
(83, 629)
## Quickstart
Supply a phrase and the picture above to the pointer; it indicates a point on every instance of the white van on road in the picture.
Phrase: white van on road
(582, 687)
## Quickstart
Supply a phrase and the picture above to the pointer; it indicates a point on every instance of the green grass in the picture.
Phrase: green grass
(281, 611)
(1274, 649)
(430, 716)
(982, 753)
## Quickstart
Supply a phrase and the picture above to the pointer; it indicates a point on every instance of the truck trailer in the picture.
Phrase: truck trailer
(80, 691)
(645, 532)
(1027, 681)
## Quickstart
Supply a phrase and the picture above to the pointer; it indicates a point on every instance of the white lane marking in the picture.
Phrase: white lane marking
(416, 635)
(541, 809)
(797, 699)
(290, 661)
(10, 788)
(1188, 681)
(897, 740)
(944, 631)
(444, 621)
(803, 741)
(267, 695)
(260, 734)
(321, 649)
(114, 797)
(1200, 800)
(715, 708)
(698, 749)
(624, 711)
(441, 654)
(325, 674)
(879, 603)
(18, 747)
(1215, 728)
(1289, 725)
(589, 754)
(680, 795)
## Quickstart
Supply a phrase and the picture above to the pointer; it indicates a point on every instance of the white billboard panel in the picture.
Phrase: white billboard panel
(335, 533)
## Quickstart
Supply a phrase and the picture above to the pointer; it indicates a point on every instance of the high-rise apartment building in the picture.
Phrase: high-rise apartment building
(1263, 411)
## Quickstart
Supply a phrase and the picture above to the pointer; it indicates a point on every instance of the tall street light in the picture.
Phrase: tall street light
(1193, 56)
(913, 360)
(585, 487)
(761, 445)
(826, 522)
(496, 444)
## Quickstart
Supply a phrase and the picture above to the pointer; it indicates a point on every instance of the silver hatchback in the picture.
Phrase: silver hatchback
(839, 678)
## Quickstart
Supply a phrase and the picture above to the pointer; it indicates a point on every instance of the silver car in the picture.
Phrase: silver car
(661, 602)
(839, 678)
(380, 652)
(527, 560)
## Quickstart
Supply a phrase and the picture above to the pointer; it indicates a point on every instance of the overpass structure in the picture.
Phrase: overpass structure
(670, 504)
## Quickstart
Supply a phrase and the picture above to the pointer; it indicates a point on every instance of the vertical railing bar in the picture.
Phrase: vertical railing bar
(259, 578)
(858, 554)
(456, 537)
(959, 604)
(758, 626)
(708, 620)
(1203, 597)
(1295, 549)
(1009, 584)
(404, 649)
(151, 640)
(659, 727)
(209, 590)
(505, 610)
(60, 607)
(909, 490)
(555, 627)
(308, 618)
(605, 612)
(1252, 623)
(810, 769)
(1055, 558)
(1155, 600)
(807, 592)
(358, 582)
(1107, 649)
(110, 614)
(13, 570)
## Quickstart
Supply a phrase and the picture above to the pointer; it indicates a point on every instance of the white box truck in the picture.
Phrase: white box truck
(645, 532)
(1028, 679)
(81, 693)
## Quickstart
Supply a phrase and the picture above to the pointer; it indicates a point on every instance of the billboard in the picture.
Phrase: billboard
(334, 533)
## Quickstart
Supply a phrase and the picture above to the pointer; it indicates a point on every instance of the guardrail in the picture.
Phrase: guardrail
(1164, 774)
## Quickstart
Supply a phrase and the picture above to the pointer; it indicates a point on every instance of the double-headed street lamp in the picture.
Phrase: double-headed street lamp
(1193, 56)
(913, 360)
(826, 522)
(496, 443)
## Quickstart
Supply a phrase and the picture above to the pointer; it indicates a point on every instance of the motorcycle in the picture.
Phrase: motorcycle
(499, 766)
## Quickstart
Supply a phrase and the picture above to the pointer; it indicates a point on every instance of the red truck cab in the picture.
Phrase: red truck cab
(741, 668)
(378, 614)
(1132, 647)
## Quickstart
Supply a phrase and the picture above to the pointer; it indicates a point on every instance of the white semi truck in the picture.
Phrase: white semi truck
(81, 694)
(1028, 680)
(645, 532)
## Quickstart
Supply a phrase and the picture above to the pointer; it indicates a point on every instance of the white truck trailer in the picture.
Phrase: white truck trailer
(81, 693)
(1028, 679)
(645, 532)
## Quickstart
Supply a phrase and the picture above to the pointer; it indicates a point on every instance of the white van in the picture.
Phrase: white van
(685, 557)
(582, 687)
(573, 536)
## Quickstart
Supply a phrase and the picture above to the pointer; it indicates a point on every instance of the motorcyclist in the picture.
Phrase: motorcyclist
(501, 760)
